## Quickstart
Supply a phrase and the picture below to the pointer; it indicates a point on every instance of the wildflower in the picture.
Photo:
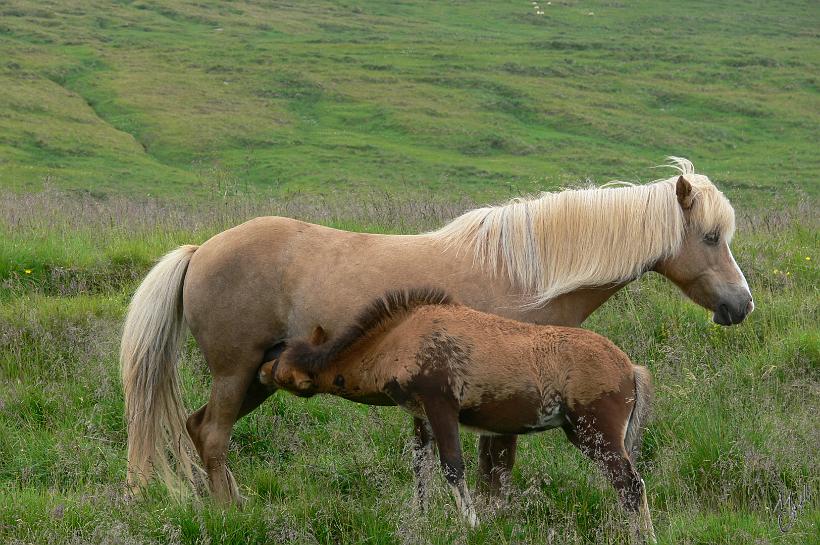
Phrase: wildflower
(808, 258)
(775, 271)
(788, 273)
(27, 271)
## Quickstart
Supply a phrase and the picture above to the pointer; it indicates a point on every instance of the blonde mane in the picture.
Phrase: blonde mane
(559, 242)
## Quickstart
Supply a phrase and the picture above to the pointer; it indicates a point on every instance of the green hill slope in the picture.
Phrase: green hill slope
(473, 97)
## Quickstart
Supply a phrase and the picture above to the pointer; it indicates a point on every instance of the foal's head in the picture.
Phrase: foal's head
(283, 373)
(288, 377)
(703, 266)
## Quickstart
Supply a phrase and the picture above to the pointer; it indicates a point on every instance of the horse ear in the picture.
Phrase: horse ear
(683, 189)
(318, 336)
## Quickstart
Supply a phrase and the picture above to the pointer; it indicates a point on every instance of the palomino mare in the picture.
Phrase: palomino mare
(447, 364)
(549, 260)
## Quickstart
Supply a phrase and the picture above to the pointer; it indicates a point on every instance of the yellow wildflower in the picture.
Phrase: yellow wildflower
(27, 271)
(808, 258)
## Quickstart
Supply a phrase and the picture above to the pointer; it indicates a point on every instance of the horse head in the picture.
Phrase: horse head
(283, 374)
(286, 374)
(703, 266)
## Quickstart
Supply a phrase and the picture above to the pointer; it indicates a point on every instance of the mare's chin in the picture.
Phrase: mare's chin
(724, 316)
(721, 318)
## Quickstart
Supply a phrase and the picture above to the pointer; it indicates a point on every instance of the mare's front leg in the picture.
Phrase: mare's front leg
(496, 457)
(422, 460)
(443, 417)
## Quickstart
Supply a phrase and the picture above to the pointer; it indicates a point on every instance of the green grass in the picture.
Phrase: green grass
(474, 97)
(731, 447)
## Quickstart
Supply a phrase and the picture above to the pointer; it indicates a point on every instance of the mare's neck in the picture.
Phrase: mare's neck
(571, 309)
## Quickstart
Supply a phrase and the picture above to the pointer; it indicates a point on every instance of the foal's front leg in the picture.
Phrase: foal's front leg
(443, 417)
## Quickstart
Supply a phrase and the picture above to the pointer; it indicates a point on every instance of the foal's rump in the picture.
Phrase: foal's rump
(605, 383)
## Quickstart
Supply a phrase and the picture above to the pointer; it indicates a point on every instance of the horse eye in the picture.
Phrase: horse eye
(711, 239)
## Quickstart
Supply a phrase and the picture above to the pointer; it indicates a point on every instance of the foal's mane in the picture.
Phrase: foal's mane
(380, 313)
(597, 236)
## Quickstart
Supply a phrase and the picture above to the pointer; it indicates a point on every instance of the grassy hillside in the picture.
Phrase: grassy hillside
(174, 98)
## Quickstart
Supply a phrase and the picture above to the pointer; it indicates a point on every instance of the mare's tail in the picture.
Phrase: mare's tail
(640, 411)
(154, 328)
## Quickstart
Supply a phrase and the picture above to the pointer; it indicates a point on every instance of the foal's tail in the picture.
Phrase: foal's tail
(640, 411)
(153, 331)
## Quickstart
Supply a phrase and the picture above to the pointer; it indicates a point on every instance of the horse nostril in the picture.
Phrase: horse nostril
(723, 316)
(750, 306)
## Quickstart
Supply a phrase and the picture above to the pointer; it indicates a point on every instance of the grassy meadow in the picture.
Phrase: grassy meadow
(128, 128)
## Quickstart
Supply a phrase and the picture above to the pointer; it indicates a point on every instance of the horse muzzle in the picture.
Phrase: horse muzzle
(267, 373)
(728, 313)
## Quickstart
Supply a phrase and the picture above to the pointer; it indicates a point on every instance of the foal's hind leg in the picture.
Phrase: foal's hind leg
(598, 430)
(443, 418)
(422, 460)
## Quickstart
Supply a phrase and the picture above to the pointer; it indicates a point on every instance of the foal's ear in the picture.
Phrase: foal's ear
(683, 189)
(318, 336)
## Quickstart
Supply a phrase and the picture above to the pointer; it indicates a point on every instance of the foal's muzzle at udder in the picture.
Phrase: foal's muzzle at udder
(267, 373)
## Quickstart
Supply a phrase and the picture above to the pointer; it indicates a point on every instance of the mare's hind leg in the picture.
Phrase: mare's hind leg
(210, 427)
(422, 460)
(598, 430)
(443, 418)
(496, 457)
(256, 394)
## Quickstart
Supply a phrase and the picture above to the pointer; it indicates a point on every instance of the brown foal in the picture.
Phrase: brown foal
(447, 364)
